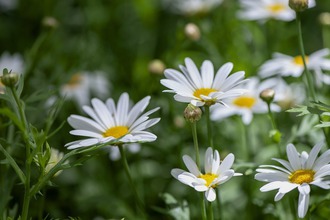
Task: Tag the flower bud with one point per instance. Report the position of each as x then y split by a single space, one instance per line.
192 113
275 136
156 67
9 79
325 18
298 5
267 95
49 22
55 157
192 32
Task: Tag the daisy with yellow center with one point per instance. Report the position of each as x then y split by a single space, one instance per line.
245 105
262 10
111 124
284 65
300 171
202 87
216 172
81 85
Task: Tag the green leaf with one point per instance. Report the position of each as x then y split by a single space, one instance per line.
303 110
7 112
323 125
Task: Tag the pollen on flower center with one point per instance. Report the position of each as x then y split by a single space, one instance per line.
299 61
203 91
245 101
116 132
208 177
275 8
302 176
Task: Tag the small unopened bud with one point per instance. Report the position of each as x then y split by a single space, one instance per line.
275 136
325 18
49 22
9 79
267 95
298 5
192 113
55 157
192 32
156 67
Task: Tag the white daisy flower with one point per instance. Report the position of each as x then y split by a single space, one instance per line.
191 7
216 172
245 105
112 125
263 10
285 65
301 171
82 85
203 88
6 5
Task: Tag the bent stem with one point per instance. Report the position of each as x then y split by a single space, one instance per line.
138 201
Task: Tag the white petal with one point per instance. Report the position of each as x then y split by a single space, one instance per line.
227 163
194 73
191 165
293 157
278 196
313 154
86 133
187 178
208 160
303 203
102 112
82 123
221 75
207 70
210 195
271 186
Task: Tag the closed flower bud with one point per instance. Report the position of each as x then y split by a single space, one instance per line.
192 113
50 22
267 95
9 79
192 32
298 5
156 67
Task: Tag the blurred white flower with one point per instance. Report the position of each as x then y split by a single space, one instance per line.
245 105
202 87
13 63
114 125
216 172
191 7
300 171
286 95
114 153
285 65
82 85
263 10
6 5
55 157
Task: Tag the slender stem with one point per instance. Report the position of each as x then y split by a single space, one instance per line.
203 208
218 204
209 127
210 211
308 75
310 83
139 202
26 201
270 113
194 134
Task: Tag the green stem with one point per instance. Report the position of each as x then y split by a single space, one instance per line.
26 201
308 75
309 78
271 116
209 127
139 202
14 165
218 204
210 211
203 208
194 134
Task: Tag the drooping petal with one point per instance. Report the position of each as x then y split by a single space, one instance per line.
210 194
191 165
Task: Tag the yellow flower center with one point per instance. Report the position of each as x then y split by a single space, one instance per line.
245 101
75 80
276 8
208 177
302 176
299 61
203 91
116 132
